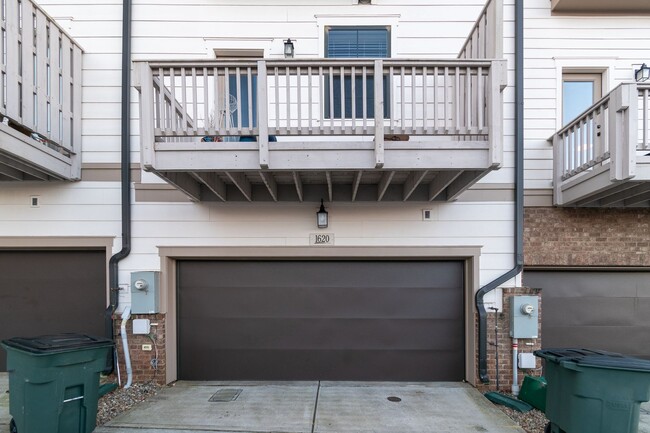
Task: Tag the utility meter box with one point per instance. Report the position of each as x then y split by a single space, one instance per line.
524 314
145 292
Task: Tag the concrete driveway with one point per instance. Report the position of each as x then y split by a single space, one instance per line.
324 407
311 407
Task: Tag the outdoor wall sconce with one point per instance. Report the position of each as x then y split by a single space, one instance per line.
322 219
288 49
642 74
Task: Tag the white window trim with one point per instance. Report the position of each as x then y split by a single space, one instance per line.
584 65
334 20
240 45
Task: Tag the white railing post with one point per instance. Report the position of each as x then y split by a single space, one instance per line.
497 81
379 113
558 169
623 134
12 76
262 114
147 138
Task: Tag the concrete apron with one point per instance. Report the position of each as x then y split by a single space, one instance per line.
325 407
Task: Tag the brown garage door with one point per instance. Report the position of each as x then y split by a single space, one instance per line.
48 292
597 310
327 320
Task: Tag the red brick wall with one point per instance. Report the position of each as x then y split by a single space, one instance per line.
141 361
505 344
586 237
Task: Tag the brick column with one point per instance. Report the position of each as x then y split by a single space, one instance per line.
505 343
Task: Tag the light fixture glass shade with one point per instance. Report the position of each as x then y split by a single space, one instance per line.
288 49
642 74
322 218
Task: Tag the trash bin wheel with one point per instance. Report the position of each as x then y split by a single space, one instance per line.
549 428
12 426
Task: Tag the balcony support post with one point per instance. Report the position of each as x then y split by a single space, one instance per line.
623 109
262 114
558 160
497 81
379 113
147 137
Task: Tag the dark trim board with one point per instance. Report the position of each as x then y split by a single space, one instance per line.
321 320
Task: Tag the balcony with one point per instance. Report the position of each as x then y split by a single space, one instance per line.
602 158
40 96
600 6
346 130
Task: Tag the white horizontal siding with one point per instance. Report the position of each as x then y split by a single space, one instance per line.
173 29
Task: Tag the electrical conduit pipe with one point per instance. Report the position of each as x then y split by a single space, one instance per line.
125 345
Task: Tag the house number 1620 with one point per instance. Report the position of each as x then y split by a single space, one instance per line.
321 239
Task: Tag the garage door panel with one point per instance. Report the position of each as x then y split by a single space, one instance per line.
590 311
327 365
329 334
329 320
611 338
567 284
49 292
314 273
308 302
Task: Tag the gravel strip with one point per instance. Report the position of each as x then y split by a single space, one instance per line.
121 400
533 421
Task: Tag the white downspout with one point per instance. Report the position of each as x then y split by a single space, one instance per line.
515 379
125 345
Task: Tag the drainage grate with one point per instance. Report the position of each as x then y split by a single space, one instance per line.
225 395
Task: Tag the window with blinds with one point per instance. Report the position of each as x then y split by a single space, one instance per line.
355 42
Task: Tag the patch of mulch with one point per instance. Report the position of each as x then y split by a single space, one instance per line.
121 400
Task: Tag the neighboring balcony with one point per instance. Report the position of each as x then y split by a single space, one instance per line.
342 130
40 96
600 6
602 158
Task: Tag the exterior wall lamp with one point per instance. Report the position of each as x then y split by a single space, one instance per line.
642 74
288 49
322 218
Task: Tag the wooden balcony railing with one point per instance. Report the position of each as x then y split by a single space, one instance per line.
40 78
184 101
613 133
485 41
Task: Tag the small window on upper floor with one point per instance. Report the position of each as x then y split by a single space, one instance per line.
579 92
355 42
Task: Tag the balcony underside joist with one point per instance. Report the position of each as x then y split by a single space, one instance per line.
336 155
25 159
341 186
596 189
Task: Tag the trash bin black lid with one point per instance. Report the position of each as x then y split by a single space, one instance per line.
620 362
571 354
57 343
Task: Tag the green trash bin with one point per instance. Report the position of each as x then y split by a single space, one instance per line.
54 381
593 391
